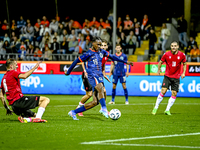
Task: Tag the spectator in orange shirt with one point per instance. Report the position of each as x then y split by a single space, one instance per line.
5 26
107 25
145 26
37 54
45 21
86 23
94 22
119 22
128 25
194 54
76 25
14 26
38 23
102 23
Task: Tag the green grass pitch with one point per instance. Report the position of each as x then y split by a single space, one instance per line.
136 129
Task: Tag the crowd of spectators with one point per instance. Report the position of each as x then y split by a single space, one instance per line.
35 40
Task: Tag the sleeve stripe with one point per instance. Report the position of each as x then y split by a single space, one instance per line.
108 55
80 59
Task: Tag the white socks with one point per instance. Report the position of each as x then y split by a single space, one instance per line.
28 119
159 99
170 102
80 104
40 112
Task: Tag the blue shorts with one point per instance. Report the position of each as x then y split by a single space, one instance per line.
116 77
94 80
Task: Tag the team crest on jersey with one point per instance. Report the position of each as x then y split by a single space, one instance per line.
101 55
169 57
122 58
100 78
178 57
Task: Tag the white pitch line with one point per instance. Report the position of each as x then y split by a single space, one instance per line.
151 145
140 138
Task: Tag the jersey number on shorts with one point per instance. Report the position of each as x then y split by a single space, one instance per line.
173 64
5 86
124 78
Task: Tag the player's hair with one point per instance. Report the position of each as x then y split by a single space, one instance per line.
9 62
104 41
118 45
96 38
174 42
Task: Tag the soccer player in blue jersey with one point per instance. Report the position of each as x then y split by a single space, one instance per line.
119 73
88 87
94 58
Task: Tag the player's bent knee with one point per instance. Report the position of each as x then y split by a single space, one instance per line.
47 100
163 91
174 93
114 86
89 94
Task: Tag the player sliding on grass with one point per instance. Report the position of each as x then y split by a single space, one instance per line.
87 85
94 57
21 105
119 73
173 60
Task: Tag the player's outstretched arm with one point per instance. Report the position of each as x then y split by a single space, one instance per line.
159 67
28 73
72 66
184 70
9 112
114 58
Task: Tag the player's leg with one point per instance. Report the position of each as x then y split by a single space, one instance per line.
25 103
101 111
85 107
84 100
101 98
123 82
43 102
104 91
174 89
165 86
170 102
115 80
27 116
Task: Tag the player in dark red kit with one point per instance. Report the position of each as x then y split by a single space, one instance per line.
173 59
21 105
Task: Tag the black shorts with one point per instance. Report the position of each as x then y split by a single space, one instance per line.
23 105
87 85
174 83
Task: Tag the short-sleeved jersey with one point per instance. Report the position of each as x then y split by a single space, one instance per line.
173 64
10 85
119 66
93 61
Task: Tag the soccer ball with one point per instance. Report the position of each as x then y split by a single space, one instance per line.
115 114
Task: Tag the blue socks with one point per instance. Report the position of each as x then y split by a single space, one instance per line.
113 94
103 103
80 109
126 94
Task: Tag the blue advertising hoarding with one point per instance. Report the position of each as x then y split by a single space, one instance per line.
136 85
